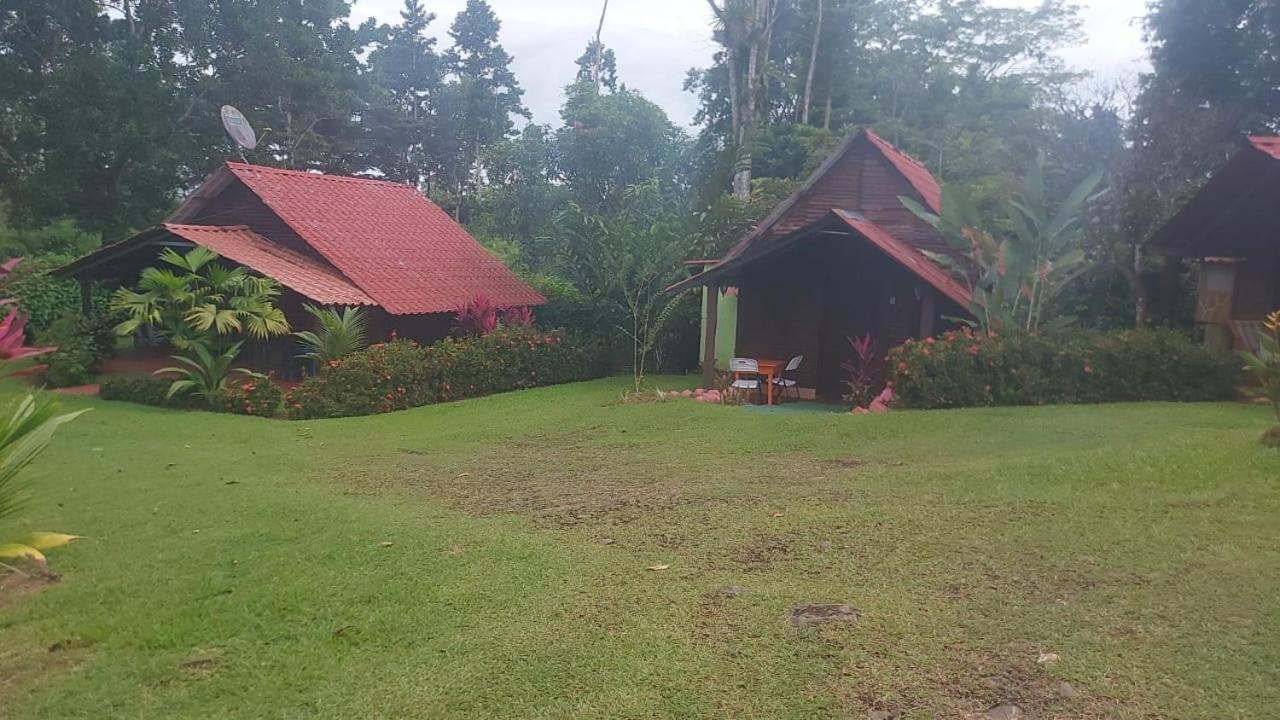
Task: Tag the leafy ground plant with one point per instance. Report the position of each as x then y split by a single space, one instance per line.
203 372
337 334
1264 367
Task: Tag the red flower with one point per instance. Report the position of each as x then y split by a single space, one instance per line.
929 341
1088 369
973 349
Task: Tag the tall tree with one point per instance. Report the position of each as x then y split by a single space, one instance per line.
744 28
408 73
484 93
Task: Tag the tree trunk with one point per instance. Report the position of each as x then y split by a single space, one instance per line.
826 116
813 65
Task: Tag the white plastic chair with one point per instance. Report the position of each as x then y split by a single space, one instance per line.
788 379
745 366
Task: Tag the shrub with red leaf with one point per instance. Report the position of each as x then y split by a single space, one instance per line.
860 371
13 338
476 318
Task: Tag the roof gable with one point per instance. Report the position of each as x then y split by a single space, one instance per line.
1234 213
866 175
389 240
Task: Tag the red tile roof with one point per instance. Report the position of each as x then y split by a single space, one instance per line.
397 246
310 278
913 170
908 257
1267 144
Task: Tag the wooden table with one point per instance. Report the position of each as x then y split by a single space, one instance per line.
770 369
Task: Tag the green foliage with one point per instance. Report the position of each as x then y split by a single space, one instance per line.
141 389
77 352
624 262
62 238
613 141
257 395
400 374
196 301
45 298
1022 258
25 432
971 369
1264 365
337 334
204 372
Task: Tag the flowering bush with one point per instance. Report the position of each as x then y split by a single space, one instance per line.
967 369
257 395
400 374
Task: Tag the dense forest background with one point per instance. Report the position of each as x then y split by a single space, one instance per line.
109 114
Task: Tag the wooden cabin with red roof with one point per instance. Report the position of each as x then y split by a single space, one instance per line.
842 257
328 240
1231 230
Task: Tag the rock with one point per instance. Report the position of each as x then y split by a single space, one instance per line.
699 392
687 393
881 715
1066 690
1008 711
607 541
803 616
731 591
860 411
824 546
1047 658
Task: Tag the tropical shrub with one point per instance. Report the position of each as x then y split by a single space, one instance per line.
400 374
1018 261
194 300
337 334
478 316
204 372
968 369
1264 365
860 372
25 432
141 389
81 342
45 298
258 395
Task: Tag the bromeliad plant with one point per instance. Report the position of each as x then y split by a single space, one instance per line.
204 372
337 334
1264 365
1016 263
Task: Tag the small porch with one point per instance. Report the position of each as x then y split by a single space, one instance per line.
807 293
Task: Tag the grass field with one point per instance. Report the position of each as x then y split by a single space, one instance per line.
488 559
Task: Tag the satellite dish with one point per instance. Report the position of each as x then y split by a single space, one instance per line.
238 127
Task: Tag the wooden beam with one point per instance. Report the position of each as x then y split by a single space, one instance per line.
709 337
86 296
928 309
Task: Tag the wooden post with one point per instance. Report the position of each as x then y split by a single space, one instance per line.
709 338
86 296
927 310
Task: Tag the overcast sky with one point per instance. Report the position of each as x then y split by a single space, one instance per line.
657 41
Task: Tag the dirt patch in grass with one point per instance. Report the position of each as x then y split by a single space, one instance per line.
578 479
27 663
16 587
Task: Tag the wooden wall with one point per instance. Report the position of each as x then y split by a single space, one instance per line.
810 299
237 205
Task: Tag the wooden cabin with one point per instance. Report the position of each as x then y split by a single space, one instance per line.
1231 230
328 240
842 257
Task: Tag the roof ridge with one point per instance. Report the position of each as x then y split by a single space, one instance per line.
249 167
214 228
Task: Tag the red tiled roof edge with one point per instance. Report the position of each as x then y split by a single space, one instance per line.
910 258
913 170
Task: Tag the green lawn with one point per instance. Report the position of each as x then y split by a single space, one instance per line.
238 568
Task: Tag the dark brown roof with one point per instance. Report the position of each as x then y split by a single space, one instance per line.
1235 214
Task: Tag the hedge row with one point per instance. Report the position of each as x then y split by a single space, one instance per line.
400 374
969 369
